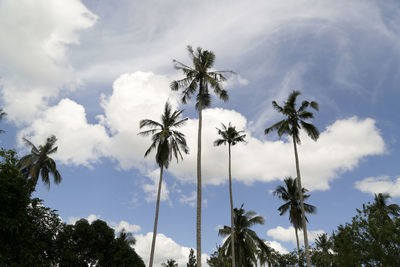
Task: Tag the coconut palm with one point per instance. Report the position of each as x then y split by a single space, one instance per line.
38 163
170 263
289 193
2 114
266 257
230 136
247 241
291 125
167 142
198 79
382 209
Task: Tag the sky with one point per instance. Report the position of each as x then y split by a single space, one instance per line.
88 71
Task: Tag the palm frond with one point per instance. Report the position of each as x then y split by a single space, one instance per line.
311 130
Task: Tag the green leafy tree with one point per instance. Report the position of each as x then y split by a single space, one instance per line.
321 255
247 241
229 135
38 163
167 142
382 209
27 227
368 240
198 79
219 259
170 263
290 194
192 259
291 125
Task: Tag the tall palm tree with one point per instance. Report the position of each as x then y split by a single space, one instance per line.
232 137
168 142
198 79
291 125
2 114
38 163
381 207
290 194
247 241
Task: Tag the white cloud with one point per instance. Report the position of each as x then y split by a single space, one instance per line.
166 248
151 188
288 235
33 52
91 218
277 246
141 95
380 184
79 143
124 225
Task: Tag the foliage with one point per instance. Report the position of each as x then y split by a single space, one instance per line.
229 135
34 235
170 263
192 259
370 239
166 139
2 114
219 259
38 163
247 241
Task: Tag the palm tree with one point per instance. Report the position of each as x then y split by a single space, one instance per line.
199 78
266 256
168 142
289 193
38 163
382 209
232 137
170 263
324 243
296 120
2 114
247 241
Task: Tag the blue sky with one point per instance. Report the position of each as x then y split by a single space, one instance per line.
88 71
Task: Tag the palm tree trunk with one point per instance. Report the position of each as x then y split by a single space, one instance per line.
231 200
153 242
198 219
303 217
298 244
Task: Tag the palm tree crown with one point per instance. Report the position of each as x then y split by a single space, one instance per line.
2 114
166 140
289 193
381 207
38 163
200 76
295 119
247 242
229 135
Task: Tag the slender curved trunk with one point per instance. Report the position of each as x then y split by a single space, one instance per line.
153 242
198 217
298 244
303 217
231 200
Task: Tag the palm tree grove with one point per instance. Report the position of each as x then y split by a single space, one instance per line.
273 141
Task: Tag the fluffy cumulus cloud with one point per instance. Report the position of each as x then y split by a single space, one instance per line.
79 142
380 184
288 235
118 227
151 187
33 50
166 248
141 95
277 246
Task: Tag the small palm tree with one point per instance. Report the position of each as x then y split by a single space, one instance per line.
168 142
2 114
247 241
289 193
199 78
323 242
38 163
170 263
296 120
382 209
232 137
266 256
